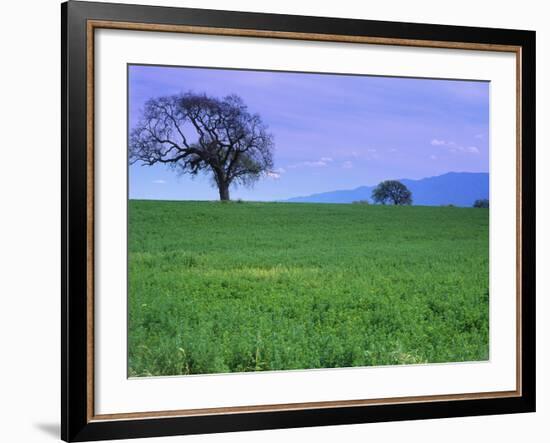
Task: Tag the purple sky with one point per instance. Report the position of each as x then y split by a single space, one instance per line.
331 131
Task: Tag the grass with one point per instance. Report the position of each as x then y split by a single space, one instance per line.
234 287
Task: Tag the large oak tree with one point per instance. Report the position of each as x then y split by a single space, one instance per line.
195 133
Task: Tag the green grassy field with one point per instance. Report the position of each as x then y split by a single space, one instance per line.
232 287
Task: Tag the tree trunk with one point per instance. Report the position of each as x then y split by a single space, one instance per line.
224 191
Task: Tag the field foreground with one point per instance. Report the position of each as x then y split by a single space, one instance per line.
236 287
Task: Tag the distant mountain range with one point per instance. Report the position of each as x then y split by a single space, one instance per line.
453 188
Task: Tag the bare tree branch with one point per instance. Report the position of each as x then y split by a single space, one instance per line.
197 133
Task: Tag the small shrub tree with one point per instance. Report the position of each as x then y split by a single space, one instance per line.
481 203
392 192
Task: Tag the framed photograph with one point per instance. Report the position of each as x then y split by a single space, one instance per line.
276 221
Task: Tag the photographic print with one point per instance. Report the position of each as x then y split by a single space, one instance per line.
299 220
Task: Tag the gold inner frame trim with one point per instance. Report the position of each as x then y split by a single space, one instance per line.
90 55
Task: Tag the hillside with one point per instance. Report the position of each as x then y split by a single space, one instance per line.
453 188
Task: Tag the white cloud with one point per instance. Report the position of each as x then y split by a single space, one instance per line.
322 162
393 150
315 164
159 182
347 165
480 136
276 173
453 147
371 150
433 157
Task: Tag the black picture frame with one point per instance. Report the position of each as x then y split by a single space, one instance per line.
76 424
